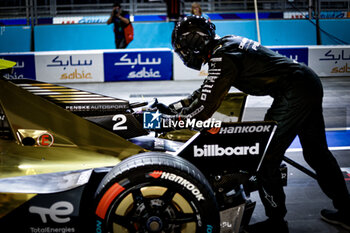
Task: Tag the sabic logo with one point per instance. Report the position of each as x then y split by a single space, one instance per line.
76 75
215 150
144 74
341 69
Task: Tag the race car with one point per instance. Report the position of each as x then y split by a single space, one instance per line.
76 161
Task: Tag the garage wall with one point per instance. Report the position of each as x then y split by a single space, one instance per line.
289 31
158 35
99 36
15 38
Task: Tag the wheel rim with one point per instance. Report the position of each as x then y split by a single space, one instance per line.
152 209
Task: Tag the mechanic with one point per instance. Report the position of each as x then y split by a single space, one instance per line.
297 108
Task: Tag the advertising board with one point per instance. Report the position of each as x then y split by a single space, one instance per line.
24 67
70 66
152 64
80 19
138 65
330 60
323 15
299 54
182 72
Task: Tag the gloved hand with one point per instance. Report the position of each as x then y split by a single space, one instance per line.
162 108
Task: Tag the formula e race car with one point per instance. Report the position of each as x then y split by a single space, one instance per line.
75 161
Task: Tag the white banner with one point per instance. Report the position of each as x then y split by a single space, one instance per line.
80 19
330 60
182 72
69 67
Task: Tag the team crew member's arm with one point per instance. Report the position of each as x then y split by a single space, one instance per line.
111 17
206 100
116 14
179 105
124 19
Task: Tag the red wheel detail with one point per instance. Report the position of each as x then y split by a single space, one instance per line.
107 199
156 174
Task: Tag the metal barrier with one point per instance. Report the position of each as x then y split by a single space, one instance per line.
52 8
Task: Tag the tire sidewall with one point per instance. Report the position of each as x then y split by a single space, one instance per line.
190 184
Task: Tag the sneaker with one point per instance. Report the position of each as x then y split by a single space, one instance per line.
268 226
336 217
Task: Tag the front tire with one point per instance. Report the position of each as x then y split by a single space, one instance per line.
156 192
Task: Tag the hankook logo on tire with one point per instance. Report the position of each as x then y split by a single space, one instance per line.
180 180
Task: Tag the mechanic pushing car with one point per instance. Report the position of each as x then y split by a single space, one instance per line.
297 108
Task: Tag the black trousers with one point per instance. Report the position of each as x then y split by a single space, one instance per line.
297 108
120 43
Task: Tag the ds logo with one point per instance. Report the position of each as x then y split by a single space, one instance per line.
58 212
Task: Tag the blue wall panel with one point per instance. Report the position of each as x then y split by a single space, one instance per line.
272 32
99 36
335 29
158 34
15 39
287 32
73 37
152 35
237 27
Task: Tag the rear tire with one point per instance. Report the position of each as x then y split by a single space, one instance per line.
155 192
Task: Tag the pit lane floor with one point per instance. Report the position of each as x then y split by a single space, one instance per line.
304 197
